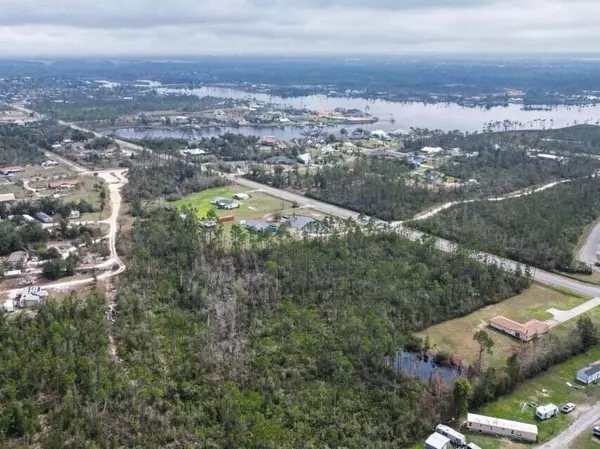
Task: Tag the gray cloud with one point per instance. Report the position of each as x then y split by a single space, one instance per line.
189 27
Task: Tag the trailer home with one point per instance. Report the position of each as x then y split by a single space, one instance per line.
437 441
546 411
455 437
502 427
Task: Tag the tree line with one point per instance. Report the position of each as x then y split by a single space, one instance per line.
542 229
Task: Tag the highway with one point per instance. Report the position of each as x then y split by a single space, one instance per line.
541 276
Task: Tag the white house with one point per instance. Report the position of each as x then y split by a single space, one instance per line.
589 374
431 150
502 427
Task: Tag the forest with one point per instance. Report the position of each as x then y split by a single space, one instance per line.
385 188
171 180
541 229
272 343
25 144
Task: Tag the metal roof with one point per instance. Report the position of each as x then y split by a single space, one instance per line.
299 221
437 441
502 423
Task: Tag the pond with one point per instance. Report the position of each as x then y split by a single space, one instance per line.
425 368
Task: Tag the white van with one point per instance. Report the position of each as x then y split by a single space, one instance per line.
457 438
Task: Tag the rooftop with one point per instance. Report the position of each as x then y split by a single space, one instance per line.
6 197
299 221
531 327
503 423
437 440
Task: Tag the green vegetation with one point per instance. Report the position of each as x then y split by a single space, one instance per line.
258 206
277 344
171 180
389 190
25 144
541 230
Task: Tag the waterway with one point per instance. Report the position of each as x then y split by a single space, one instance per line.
392 116
416 365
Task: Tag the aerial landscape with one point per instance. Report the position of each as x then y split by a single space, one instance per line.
274 225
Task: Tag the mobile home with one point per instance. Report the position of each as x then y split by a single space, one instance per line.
502 427
589 374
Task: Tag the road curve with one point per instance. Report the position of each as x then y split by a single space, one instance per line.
542 276
588 253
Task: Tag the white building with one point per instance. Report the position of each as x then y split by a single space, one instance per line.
241 196
431 150
455 437
546 411
437 441
502 427
589 374
9 306
304 158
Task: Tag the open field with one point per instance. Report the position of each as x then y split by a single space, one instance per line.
457 335
37 172
259 206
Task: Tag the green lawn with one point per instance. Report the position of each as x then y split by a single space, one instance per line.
550 387
456 336
259 206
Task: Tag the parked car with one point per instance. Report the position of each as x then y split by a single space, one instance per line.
568 407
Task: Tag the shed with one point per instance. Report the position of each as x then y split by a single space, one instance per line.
16 258
502 427
7 197
589 374
437 441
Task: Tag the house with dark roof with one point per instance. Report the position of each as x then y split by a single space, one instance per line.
299 222
589 374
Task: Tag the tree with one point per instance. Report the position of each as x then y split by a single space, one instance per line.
460 395
587 332
485 344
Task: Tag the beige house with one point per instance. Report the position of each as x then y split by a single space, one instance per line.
502 427
525 332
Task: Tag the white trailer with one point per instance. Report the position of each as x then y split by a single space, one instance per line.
546 411
455 437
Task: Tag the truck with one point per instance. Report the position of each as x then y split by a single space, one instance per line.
457 438
546 411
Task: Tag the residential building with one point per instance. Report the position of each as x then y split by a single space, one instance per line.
11 170
217 200
12 274
241 196
17 258
32 296
437 441
524 332
502 427
455 437
589 374
431 150
64 184
269 141
415 161
299 222
227 204
49 163
260 226
280 160
44 218
7 198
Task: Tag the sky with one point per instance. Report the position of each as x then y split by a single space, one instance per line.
296 27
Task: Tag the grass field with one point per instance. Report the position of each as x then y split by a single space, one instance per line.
258 206
456 336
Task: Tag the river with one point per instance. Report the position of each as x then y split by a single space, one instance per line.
393 116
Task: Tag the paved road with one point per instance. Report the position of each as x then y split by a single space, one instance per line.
588 253
585 421
445 245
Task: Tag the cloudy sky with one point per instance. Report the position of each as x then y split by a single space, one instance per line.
202 27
